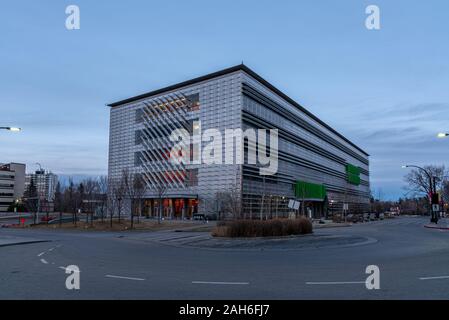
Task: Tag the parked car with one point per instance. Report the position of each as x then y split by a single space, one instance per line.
211 217
372 217
366 217
354 218
198 216
381 216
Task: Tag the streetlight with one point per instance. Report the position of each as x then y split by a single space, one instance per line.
15 129
431 180
442 135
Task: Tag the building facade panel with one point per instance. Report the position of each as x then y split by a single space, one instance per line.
322 160
219 108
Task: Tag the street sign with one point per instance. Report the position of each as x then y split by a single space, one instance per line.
293 204
345 206
435 207
296 205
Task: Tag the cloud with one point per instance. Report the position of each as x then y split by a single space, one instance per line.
397 134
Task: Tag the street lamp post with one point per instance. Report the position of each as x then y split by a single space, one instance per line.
431 186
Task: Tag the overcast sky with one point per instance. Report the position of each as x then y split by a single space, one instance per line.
386 90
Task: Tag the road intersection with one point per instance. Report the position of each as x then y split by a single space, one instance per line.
412 260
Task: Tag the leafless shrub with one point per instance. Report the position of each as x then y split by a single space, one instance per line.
268 228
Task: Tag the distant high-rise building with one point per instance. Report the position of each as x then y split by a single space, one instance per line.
12 184
45 183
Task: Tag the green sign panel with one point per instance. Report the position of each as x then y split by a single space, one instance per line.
353 174
307 190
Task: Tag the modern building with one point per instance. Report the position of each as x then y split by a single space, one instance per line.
12 184
317 166
45 183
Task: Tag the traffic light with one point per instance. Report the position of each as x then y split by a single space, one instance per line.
435 198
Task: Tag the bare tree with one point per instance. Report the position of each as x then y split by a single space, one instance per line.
59 205
141 188
159 186
103 195
235 203
79 198
90 196
231 201
111 202
32 200
128 178
135 189
161 189
418 182
71 200
118 194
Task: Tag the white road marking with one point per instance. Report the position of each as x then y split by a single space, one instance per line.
51 249
126 278
41 254
434 278
44 261
335 282
220 282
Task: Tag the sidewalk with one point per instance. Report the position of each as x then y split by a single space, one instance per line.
443 224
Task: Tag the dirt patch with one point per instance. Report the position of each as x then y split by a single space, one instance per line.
124 225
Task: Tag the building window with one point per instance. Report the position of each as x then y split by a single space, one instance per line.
139 115
138 159
194 101
192 177
193 126
138 137
6 195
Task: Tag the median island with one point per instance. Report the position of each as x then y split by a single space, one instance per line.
262 228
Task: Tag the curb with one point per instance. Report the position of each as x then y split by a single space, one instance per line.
438 228
21 243
326 226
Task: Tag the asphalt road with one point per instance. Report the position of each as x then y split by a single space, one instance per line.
413 262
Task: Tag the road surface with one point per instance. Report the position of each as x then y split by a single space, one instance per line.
413 262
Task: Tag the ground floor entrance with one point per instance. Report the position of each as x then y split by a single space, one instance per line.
314 209
172 208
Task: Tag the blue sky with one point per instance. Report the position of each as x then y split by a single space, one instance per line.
386 90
